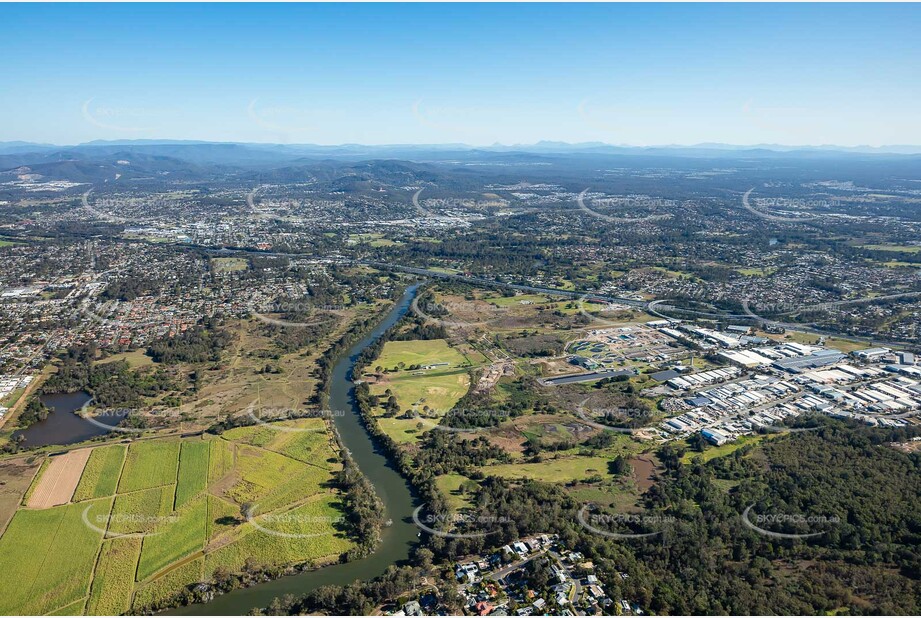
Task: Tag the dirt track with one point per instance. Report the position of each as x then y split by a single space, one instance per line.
58 482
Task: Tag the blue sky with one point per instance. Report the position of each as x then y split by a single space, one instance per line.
477 74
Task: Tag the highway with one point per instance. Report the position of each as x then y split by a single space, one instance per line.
650 307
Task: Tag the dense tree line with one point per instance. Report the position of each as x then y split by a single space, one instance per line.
198 345
110 384
705 561
34 412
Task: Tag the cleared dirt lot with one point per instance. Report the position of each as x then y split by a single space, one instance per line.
15 477
59 480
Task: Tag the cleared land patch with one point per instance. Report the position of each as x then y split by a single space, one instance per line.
559 470
17 475
59 480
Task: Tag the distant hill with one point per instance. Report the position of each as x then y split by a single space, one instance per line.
100 161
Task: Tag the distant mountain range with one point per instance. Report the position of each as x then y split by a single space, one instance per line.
233 150
151 160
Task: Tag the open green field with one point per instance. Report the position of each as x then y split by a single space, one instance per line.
157 515
229 264
402 430
521 299
136 359
373 239
757 272
437 390
845 345
409 353
451 486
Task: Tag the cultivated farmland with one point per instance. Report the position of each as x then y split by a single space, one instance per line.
113 581
150 463
47 557
148 519
100 476
193 470
58 481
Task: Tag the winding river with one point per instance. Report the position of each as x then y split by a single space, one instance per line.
399 501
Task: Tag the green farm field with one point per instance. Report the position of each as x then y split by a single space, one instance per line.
100 476
153 517
437 389
428 352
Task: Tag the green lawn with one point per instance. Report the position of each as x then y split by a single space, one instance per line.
136 359
439 390
450 486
